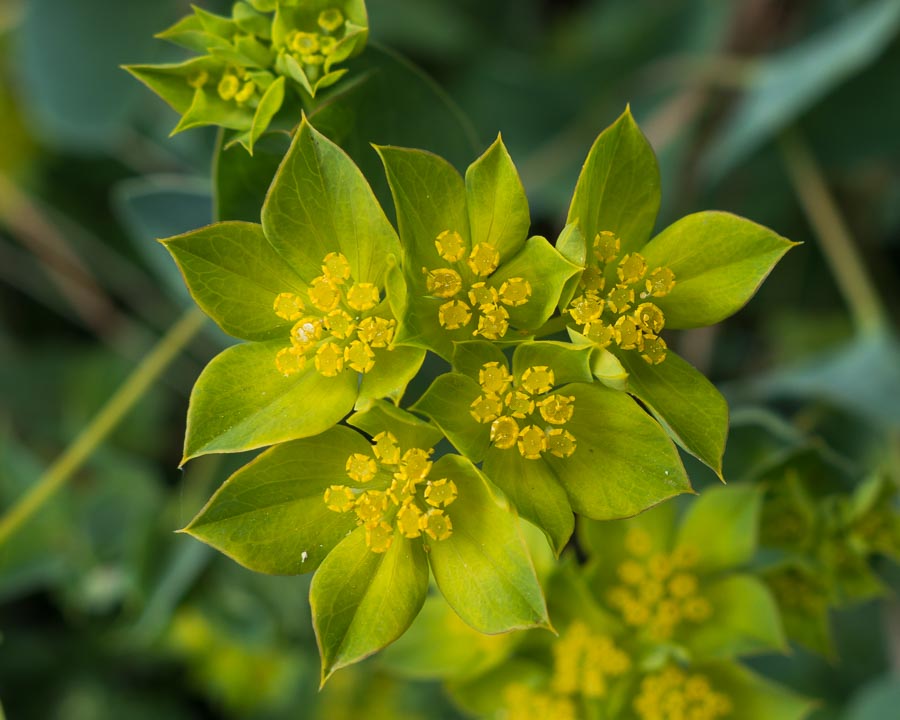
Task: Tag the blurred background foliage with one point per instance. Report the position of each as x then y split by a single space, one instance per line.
785 111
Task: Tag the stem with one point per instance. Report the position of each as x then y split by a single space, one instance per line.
835 239
134 387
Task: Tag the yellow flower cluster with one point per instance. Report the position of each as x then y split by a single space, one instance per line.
235 84
311 49
467 291
582 662
613 306
333 325
657 591
675 695
384 493
524 703
518 412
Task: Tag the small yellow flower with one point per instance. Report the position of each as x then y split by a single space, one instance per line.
331 20
483 259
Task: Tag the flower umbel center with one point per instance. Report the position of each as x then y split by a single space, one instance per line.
391 490
334 327
523 414
674 694
617 308
312 49
656 590
583 662
480 304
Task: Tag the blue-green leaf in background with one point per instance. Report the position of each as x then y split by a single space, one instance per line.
787 84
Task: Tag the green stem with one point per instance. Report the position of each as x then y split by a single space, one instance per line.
151 367
834 237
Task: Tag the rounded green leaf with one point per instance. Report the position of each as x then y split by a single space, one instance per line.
684 402
483 569
496 202
270 515
722 526
319 203
624 462
67 68
362 601
619 188
430 197
235 275
535 491
745 620
241 401
719 261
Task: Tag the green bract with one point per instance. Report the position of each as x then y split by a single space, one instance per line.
551 437
371 518
307 289
469 266
251 59
696 272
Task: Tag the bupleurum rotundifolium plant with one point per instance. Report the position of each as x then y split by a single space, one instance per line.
337 310
636 664
266 53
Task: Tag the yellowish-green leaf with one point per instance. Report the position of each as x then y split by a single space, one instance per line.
719 261
319 203
235 275
618 189
362 601
483 569
241 401
685 403
270 515
496 202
